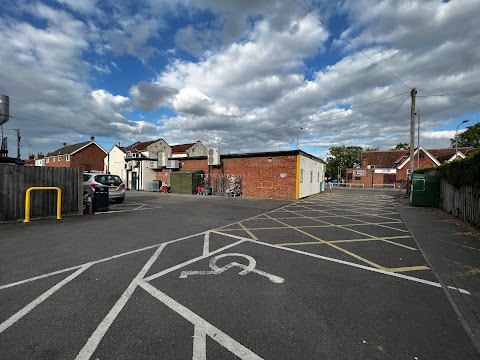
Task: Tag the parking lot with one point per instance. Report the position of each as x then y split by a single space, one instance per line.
163 276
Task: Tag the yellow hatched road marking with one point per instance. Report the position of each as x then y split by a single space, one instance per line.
248 231
336 247
409 268
351 240
363 222
253 217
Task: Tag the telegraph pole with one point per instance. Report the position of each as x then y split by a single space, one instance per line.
412 130
19 137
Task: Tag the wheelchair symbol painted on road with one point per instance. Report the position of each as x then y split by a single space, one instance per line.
245 268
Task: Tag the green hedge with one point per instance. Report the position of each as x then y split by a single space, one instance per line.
459 173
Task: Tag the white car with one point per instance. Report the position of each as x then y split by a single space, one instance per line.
116 187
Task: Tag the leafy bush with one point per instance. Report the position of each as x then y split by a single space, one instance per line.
459 173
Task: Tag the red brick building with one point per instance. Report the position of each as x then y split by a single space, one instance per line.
390 168
282 175
88 155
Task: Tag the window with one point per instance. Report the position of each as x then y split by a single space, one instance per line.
59 158
318 177
358 178
53 158
311 176
301 175
48 160
67 157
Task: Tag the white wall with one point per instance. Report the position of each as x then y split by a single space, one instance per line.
115 163
313 175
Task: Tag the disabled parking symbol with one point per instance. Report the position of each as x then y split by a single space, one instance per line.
245 268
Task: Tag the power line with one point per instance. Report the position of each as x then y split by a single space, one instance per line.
321 118
385 123
326 27
451 97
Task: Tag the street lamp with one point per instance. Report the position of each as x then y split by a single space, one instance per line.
298 127
456 137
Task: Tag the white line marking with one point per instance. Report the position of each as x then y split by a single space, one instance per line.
92 343
21 313
246 269
216 334
206 243
199 343
40 277
96 261
406 277
191 261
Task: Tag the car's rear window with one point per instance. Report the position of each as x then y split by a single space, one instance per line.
110 180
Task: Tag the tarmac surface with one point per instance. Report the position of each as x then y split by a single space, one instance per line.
347 274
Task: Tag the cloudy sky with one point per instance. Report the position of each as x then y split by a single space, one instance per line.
240 75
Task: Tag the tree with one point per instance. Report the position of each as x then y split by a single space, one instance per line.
372 149
343 157
401 146
470 137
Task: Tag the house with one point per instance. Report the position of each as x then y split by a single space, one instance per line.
30 161
391 168
188 150
137 163
88 155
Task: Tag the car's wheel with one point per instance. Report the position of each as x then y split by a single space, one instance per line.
119 200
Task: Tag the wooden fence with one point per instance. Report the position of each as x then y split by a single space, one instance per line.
463 203
16 179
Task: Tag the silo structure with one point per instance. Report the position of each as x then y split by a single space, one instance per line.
4 109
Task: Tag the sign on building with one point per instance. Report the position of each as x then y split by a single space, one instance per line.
385 171
360 172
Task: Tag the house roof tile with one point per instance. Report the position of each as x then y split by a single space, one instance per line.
392 158
69 149
176 149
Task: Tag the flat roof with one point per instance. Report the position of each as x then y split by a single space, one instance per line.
257 154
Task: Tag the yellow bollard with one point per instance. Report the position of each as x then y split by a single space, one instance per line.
27 201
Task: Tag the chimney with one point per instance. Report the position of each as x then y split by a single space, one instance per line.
64 144
40 156
31 156
92 138
364 163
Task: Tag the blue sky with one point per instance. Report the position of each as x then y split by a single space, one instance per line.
240 75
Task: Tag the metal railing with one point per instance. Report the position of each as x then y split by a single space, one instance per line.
153 186
384 186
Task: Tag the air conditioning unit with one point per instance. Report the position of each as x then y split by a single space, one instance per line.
152 165
371 167
213 156
132 155
162 159
173 164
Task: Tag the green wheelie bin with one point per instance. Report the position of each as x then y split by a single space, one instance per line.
100 198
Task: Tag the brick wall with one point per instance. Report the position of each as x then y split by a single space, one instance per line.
89 158
261 175
379 178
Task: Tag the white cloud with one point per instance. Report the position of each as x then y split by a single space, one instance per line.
191 101
259 69
150 96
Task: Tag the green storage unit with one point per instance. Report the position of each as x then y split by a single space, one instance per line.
100 198
425 190
185 182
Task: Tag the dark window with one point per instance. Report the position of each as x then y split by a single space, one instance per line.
358 178
349 176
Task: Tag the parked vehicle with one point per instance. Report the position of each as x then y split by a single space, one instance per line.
116 187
